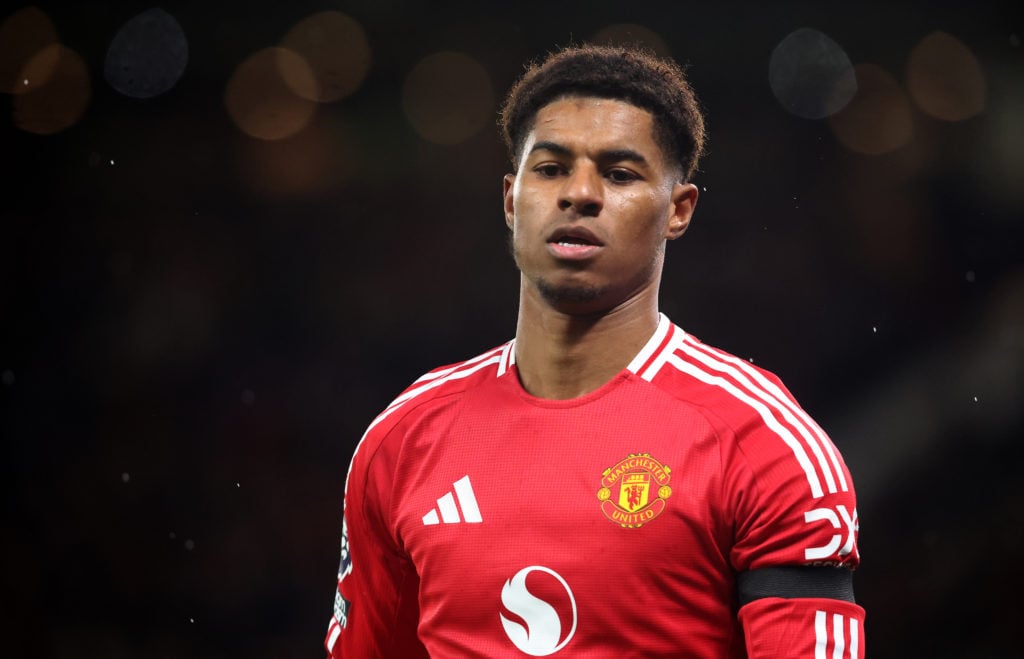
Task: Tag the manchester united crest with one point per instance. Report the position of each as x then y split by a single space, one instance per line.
633 492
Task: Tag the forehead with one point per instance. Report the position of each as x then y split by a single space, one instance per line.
595 124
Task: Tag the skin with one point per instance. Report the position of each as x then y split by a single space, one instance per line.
584 313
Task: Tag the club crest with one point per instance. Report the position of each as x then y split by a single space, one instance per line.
633 492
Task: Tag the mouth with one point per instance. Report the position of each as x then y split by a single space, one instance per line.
574 236
574 243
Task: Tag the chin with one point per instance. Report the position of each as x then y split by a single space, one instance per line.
556 294
575 300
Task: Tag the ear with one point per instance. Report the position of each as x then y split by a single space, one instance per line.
684 200
509 183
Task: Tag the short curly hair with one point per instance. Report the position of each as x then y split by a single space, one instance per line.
633 75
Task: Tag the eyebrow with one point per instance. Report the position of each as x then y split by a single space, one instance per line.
613 155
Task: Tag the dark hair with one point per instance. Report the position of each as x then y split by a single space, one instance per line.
629 74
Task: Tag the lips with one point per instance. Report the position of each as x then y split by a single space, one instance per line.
574 235
574 243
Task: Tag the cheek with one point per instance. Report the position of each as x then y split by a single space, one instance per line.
647 218
524 209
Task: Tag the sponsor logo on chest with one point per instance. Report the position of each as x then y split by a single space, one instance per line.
542 620
633 492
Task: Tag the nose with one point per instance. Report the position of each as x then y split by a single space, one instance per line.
582 192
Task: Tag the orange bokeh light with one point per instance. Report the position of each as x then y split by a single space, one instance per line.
878 119
337 51
260 97
23 35
945 79
448 97
60 102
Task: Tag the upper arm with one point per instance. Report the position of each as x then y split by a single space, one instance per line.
795 577
375 607
796 528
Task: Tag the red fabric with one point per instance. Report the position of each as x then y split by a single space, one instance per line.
609 525
810 628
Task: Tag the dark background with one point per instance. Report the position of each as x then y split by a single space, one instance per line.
197 325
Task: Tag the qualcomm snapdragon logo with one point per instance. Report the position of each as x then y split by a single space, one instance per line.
540 633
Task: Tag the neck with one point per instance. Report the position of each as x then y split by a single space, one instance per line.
561 355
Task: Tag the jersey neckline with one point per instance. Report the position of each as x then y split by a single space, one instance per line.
643 358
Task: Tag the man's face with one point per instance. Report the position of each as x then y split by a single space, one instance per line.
592 203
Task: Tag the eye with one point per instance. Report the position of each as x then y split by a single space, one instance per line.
619 175
548 170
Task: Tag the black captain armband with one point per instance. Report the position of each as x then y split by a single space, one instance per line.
795 581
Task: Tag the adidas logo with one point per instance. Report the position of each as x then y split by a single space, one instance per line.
449 512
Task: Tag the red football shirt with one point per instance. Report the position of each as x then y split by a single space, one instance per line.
482 521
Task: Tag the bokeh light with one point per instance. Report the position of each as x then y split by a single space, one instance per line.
336 49
811 75
945 79
631 34
448 97
23 34
147 56
59 103
259 96
38 70
878 119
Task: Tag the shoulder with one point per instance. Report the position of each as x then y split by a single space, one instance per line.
790 493
735 389
379 451
441 386
753 410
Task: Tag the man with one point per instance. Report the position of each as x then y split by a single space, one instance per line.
603 485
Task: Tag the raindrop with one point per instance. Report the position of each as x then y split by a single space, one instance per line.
125 477
190 544
8 377
811 74
147 56
875 330
969 276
